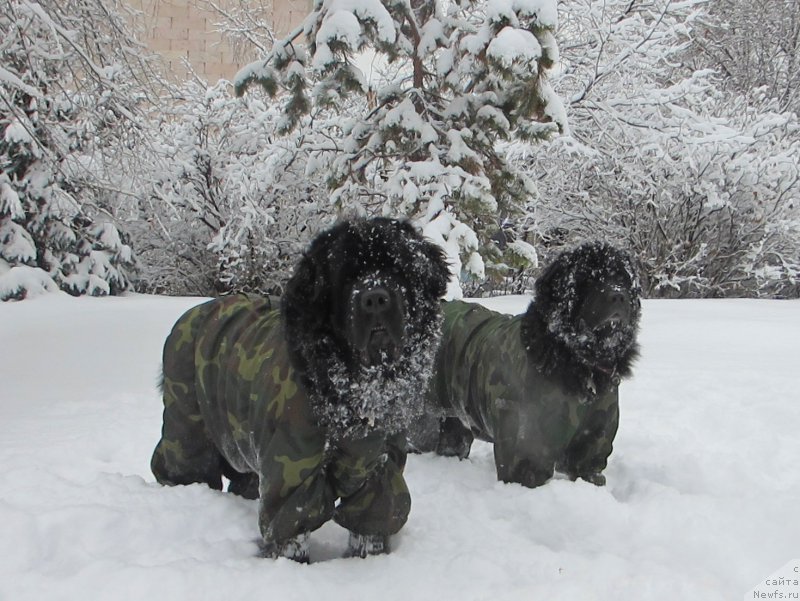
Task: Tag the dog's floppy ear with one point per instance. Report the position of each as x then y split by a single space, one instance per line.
552 279
303 283
632 273
436 272
430 270
304 303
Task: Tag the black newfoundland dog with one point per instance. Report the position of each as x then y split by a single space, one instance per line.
305 408
542 386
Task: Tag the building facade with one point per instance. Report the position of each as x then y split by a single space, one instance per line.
186 31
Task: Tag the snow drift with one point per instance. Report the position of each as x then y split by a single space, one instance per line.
701 502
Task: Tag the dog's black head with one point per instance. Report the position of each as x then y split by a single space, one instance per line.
583 322
362 306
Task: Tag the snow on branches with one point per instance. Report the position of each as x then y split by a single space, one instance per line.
426 137
229 207
703 186
67 114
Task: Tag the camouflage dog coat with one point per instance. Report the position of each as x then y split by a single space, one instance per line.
487 386
233 406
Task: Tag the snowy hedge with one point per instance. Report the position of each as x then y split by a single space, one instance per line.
682 144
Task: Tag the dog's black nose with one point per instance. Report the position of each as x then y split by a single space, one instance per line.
375 301
617 296
615 306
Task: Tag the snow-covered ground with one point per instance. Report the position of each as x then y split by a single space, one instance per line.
702 502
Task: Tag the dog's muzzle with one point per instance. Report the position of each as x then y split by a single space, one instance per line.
377 322
608 309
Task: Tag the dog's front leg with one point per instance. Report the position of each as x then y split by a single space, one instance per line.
375 502
586 455
521 454
294 498
513 468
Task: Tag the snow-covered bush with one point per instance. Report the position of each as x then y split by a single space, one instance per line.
230 206
423 138
753 45
702 186
68 114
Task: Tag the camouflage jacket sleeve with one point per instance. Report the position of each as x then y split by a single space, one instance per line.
367 474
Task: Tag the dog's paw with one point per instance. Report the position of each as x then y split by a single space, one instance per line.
295 549
244 485
455 439
595 478
362 545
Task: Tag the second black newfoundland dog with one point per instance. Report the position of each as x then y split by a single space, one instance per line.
306 407
542 386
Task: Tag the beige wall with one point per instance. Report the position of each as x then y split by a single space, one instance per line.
184 30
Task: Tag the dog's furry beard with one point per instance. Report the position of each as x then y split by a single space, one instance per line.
386 399
602 348
586 362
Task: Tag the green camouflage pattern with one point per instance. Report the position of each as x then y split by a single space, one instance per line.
483 377
234 406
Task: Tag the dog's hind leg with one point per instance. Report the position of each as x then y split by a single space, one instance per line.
455 439
244 485
185 454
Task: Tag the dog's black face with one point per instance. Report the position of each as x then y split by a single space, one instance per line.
605 306
362 310
583 322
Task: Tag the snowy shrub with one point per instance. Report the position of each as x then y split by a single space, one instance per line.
754 45
230 206
703 187
423 136
68 113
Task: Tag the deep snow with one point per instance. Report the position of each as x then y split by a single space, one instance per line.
702 502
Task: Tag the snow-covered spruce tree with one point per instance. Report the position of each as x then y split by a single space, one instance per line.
426 140
702 186
68 96
230 207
